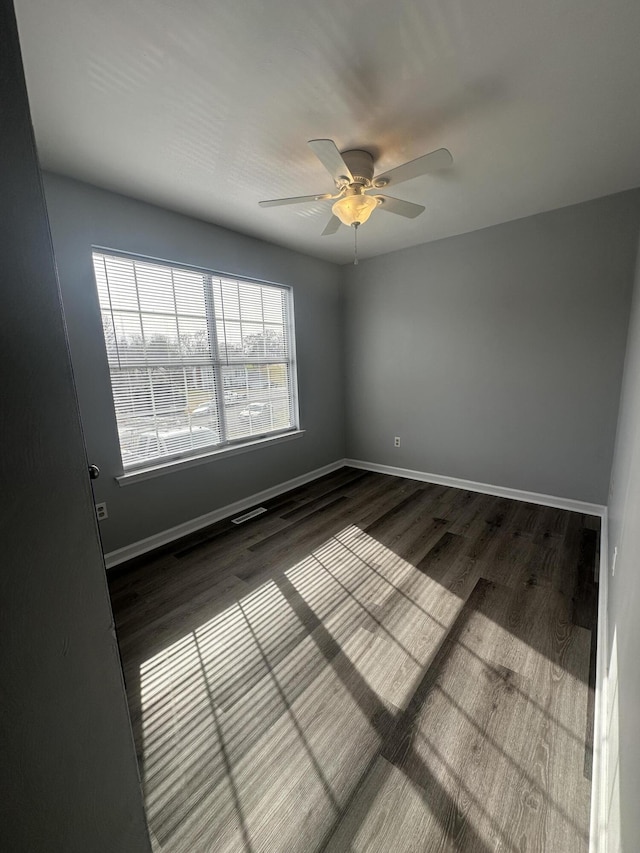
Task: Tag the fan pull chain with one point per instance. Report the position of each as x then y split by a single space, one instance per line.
355 244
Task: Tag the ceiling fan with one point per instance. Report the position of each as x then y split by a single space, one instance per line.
357 196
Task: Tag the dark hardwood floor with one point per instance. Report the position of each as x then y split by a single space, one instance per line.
375 664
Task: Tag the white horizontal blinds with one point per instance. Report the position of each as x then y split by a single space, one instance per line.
196 360
156 332
252 329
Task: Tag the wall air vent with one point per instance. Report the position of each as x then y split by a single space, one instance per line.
249 515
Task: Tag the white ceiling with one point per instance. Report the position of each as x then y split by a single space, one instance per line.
205 106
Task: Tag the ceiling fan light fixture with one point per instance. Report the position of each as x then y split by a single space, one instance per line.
354 209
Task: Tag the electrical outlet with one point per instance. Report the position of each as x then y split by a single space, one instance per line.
396 441
613 561
101 511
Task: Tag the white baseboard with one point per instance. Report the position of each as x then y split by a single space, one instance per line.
484 488
136 549
599 782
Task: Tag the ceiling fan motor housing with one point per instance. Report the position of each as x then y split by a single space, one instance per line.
360 165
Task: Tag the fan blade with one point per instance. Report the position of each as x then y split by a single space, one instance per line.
326 151
402 208
276 202
332 226
439 159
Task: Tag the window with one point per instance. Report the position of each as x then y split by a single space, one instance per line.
198 360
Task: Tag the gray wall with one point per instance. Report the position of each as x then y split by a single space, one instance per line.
497 356
68 775
624 603
82 216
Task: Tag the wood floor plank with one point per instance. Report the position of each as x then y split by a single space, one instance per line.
474 652
371 501
395 512
444 552
374 664
315 748
471 520
156 623
433 781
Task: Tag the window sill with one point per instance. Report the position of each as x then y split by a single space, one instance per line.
160 469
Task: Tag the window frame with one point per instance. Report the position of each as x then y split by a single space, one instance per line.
153 466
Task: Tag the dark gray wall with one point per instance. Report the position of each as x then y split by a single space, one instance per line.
497 356
82 216
68 776
624 603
